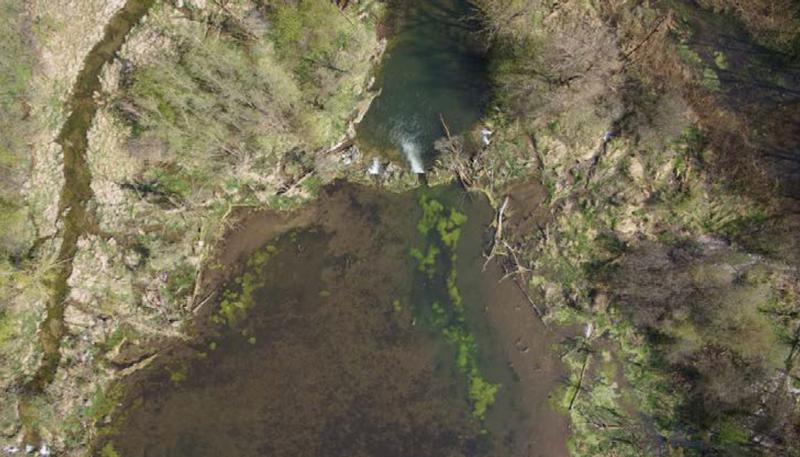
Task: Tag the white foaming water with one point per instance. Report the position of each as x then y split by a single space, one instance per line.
403 135
411 151
375 168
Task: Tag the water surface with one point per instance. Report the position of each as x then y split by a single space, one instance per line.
335 354
434 66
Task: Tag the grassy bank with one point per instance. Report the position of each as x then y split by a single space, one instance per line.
19 277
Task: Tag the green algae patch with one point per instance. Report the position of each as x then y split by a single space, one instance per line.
426 263
109 450
238 297
178 374
439 228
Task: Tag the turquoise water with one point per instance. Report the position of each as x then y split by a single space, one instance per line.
434 66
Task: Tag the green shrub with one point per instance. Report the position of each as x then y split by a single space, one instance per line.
252 104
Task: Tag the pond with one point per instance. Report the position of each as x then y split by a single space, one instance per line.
434 70
343 336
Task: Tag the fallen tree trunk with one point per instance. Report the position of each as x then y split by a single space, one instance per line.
498 234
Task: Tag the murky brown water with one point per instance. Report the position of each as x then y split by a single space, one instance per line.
331 359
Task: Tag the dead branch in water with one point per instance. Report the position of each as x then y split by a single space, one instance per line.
522 288
444 124
196 309
498 233
460 168
517 270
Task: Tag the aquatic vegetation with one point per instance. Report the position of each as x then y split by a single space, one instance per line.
721 60
426 263
481 392
450 319
453 293
238 297
448 229
431 214
109 450
178 374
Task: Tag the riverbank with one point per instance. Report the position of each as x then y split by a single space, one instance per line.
665 227
127 287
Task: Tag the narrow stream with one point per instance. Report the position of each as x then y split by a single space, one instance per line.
76 191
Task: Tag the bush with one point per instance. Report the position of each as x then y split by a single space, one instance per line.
554 68
225 110
774 23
